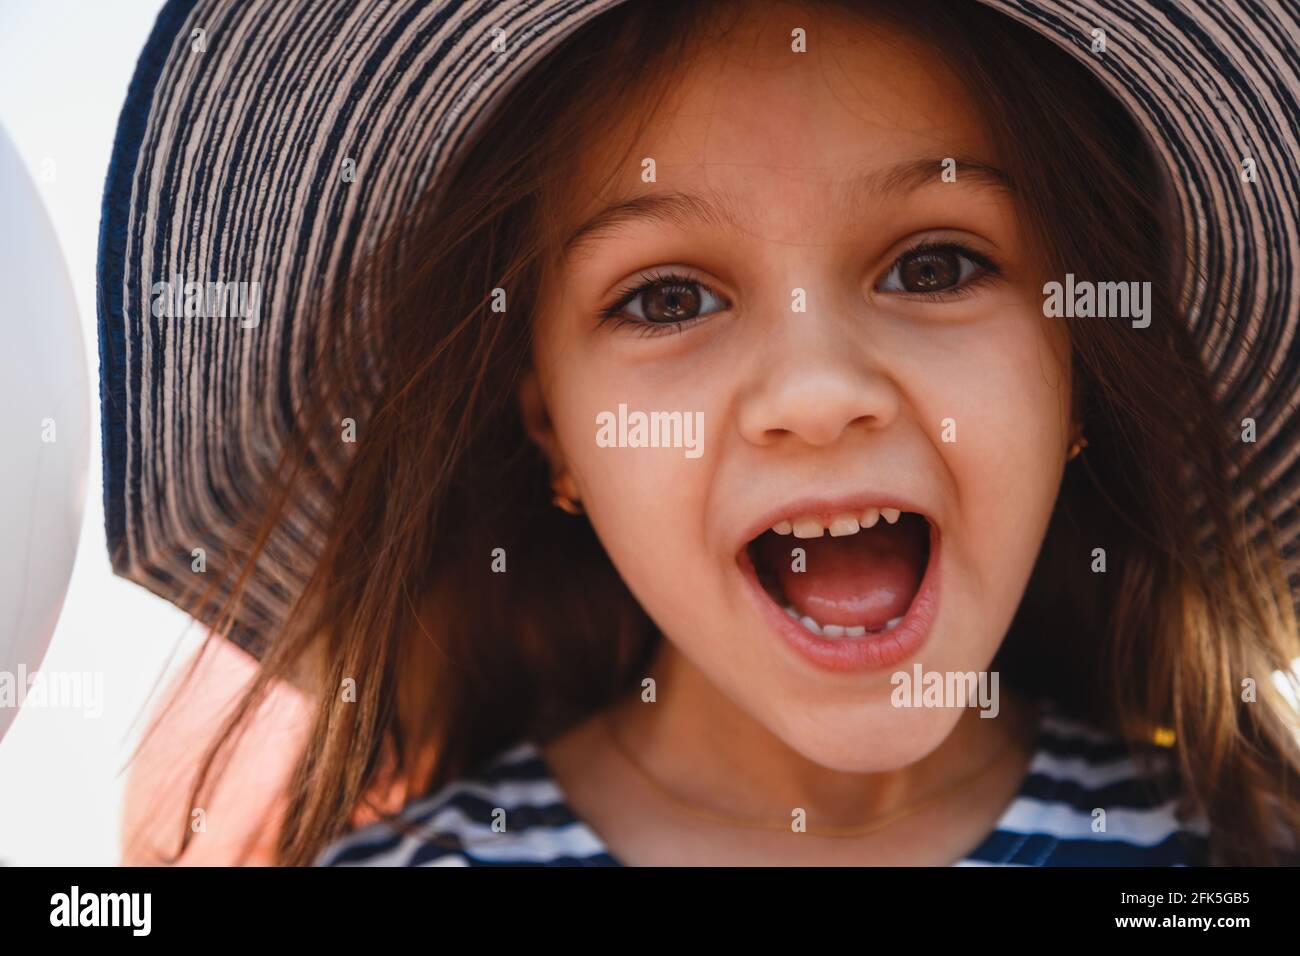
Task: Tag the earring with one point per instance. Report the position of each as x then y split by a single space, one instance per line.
1078 445
566 499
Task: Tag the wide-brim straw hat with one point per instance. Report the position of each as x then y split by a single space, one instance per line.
226 168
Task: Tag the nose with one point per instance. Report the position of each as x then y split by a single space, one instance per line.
816 377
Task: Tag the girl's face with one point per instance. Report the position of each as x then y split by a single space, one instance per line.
834 369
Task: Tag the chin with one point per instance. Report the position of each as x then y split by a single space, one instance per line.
863 738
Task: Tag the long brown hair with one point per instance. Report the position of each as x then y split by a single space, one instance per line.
447 661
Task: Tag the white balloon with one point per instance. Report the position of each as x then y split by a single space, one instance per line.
44 430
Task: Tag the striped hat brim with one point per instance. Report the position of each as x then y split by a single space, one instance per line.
226 168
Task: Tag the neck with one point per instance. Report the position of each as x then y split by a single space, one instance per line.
708 752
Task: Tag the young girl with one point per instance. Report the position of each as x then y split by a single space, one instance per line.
728 491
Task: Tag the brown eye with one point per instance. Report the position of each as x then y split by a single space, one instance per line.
930 271
677 302
935 270
666 301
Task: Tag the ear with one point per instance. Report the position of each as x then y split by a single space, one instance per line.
537 420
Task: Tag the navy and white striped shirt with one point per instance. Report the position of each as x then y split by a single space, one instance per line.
1074 770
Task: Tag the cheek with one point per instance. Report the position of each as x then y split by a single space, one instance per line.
1008 391
647 505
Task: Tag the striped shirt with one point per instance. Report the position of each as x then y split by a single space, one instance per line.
1075 770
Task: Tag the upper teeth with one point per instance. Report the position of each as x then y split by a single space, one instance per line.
846 522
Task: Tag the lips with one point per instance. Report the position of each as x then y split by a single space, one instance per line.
847 587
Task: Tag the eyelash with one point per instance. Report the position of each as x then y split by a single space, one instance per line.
649 280
613 313
988 269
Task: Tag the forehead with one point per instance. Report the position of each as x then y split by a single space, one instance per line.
775 137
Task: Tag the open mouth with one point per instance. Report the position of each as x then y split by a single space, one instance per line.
857 577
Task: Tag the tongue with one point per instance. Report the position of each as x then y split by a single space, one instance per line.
867 578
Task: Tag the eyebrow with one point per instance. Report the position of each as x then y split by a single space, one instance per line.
721 209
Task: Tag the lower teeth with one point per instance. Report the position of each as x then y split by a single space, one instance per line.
835 631
829 631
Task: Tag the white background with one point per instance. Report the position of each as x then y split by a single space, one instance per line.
64 70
